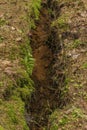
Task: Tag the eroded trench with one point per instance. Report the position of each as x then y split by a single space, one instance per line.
48 74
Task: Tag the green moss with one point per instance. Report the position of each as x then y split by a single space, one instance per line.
60 120
12 114
13 117
34 13
54 127
36 5
25 92
1 83
2 21
77 113
23 80
18 86
1 39
61 22
63 121
26 56
78 43
84 66
1 128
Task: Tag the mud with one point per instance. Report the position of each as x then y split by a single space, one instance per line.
45 98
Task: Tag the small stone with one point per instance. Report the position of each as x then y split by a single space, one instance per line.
1 16
75 56
85 127
69 21
84 14
19 39
83 50
13 28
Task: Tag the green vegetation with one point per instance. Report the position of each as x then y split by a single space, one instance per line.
72 116
1 128
61 22
17 63
1 39
34 13
78 43
36 5
12 114
84 66
63 121
17 82
75 114
2 21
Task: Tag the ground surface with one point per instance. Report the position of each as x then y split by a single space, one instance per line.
14 26
40 102
72 26
72 33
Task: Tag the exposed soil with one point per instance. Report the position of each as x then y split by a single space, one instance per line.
49 64
42 101
13 41
40 106
48 75
45 98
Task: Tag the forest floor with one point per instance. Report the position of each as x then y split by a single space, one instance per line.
12 23
42 100
73 33
13 32
14 27
72 24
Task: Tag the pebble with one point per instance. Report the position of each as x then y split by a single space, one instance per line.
13 28
75 56
19 39
1 16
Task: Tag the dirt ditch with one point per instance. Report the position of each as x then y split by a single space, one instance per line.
47 74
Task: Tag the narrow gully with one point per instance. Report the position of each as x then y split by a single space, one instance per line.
46 50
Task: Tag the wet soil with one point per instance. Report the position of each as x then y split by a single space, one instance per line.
41 103
47 75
